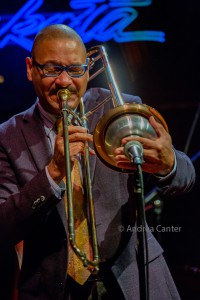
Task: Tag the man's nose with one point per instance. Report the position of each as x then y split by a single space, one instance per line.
63 79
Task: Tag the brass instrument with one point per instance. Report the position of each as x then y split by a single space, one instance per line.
64 95
123 120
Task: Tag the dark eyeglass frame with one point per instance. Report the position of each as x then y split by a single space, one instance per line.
66 69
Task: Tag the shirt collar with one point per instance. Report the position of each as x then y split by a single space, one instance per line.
48 119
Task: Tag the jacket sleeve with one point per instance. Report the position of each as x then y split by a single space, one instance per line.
182 180
26 196
21 209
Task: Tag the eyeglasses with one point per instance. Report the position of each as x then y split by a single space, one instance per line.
74 71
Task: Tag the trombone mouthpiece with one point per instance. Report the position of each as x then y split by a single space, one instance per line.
63 94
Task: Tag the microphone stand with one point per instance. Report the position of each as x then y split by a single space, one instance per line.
135 154
141 235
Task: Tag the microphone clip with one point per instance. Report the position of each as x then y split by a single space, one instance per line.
134 151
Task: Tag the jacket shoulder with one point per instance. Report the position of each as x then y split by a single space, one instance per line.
14 122
101 93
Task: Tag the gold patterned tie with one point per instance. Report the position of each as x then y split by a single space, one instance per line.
76 268
19 252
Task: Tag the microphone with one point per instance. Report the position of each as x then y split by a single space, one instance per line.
134 151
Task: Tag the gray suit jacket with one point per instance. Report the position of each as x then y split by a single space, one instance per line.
31 212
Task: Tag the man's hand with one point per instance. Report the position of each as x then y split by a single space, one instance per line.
77 138
158 154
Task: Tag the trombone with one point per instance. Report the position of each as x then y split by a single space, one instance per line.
128 118
125 119
64 95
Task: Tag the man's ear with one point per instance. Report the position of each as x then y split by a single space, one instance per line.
29 66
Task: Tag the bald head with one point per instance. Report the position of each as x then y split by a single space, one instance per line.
53 32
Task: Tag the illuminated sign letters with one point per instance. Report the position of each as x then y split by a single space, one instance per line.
94 20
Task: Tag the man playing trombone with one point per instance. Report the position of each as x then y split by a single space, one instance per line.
33 186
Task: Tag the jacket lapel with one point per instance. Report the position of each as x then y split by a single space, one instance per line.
36 140
38 145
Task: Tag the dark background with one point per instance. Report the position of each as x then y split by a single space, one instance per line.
166 76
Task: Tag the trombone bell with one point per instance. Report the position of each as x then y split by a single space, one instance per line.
123 121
